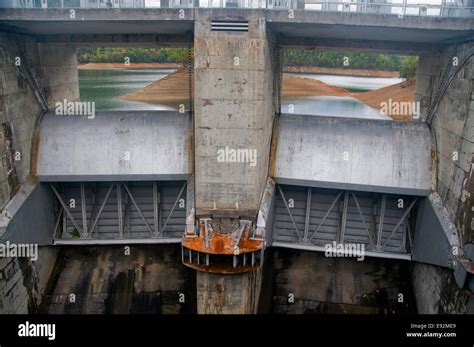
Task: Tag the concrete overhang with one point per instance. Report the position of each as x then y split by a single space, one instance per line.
372 31
356 154
119 40
363 28
114 146
99 21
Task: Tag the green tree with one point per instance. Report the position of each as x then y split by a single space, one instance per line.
136 55
301 57
408 67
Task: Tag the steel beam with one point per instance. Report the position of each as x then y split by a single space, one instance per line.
325 216
57 222
119 210
317 248
308 214
400 221
380 229
69 214
240 232
344 217
164 240
371 241
289 212
94 209
101 208
409 238
138 209
83 210
172 210
156 211
126 215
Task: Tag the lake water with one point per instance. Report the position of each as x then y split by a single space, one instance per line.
105 85
332 106
352 83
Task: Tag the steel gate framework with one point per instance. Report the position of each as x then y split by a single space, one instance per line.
309 218
304 217
118 212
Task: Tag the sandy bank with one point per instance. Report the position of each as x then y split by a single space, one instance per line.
342 71
293 86
172 88
175 87
400 92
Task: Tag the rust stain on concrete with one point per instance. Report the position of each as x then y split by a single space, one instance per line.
222 243
34 154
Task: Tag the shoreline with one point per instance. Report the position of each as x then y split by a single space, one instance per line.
132 66
341 71
289 69
175 88
402 92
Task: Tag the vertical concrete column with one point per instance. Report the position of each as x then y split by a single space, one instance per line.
427 79
234 111
58 72
228 294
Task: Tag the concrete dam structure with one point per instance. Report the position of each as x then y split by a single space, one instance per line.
228 204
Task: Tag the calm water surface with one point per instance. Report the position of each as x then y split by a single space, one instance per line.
105 85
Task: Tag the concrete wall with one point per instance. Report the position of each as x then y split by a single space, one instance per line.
228 294
436 292
453 126
58 72
18 111
309 282
234 107
22 282
453 136
150 279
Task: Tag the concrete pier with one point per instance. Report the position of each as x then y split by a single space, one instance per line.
228 294
233 108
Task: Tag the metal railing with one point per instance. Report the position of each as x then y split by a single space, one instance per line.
435 8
